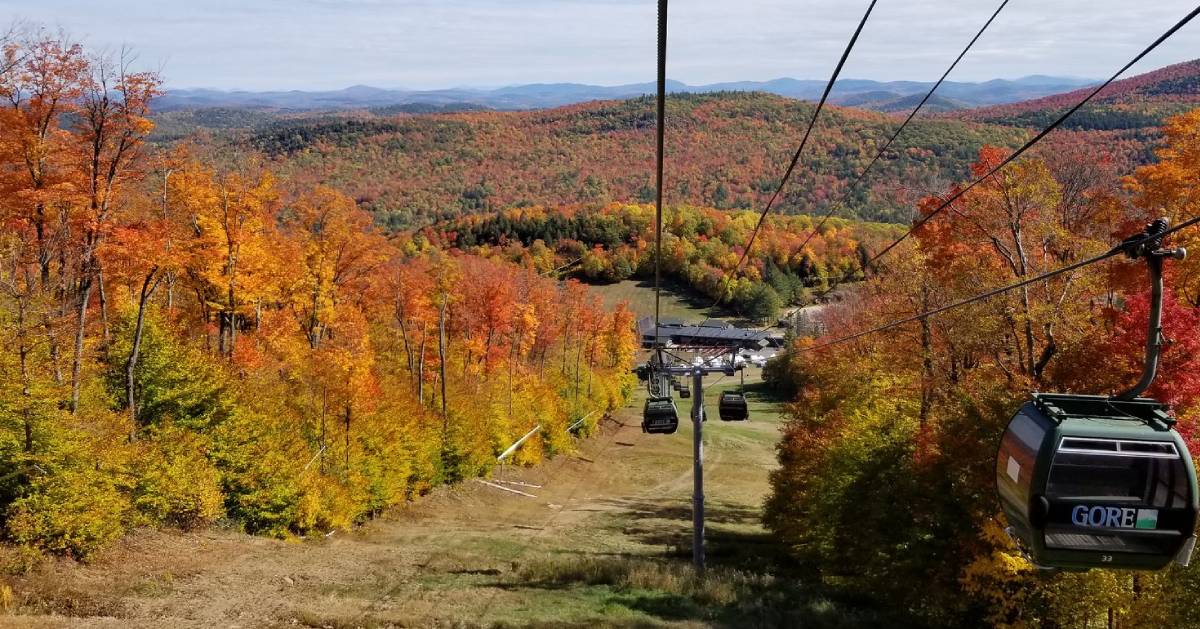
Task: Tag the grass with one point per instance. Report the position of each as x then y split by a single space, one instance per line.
677 301
717 588
721 597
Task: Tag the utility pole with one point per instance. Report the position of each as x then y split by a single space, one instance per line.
698 470
663 377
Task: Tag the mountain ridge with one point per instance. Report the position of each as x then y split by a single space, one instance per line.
548 95
1157 93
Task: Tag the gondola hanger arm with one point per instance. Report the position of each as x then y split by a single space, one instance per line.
1149 245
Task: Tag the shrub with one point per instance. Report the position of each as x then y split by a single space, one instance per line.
176 483
259 469
75 512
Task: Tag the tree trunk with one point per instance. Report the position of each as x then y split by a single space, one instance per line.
1031 367
926 359
408 352
314 317
1047 353
148 287
23 353
347 421
324 409
442 366
170 277
44 255
103 302
232 321
421 364
55 357
85 295
205 317
512 363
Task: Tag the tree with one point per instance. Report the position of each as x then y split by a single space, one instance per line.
764 304
1169 188
42 81
114 109
139 253
235 254
340 251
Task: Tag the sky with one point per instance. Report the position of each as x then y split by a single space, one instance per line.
430 44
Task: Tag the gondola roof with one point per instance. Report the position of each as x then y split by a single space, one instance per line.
1087 414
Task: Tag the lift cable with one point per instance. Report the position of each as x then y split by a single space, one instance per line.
1035 139
1004 289
878 155
660 133
804 141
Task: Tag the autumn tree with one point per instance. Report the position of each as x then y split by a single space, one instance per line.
139 255
233 256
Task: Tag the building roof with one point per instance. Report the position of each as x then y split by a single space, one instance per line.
704 335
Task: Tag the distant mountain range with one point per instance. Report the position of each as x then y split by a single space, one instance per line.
877 95
1139 101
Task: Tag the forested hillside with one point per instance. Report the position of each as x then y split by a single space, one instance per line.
789 265
1123 120
1145 100
183 339
725 151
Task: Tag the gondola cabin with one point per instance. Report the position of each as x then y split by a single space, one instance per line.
685 391
732 407
660 417
1094 482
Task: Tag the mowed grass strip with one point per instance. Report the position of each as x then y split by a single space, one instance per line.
676 301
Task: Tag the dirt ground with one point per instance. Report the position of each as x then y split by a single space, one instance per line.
452 559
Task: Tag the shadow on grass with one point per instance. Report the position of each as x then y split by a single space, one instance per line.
751 580
582 624
763 393
694 299
669 590
728 543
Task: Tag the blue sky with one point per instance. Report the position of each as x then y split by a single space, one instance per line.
328 44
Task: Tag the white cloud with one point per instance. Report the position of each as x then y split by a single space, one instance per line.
308 44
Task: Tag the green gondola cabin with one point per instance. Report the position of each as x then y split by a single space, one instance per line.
732 407
659 416
1096 482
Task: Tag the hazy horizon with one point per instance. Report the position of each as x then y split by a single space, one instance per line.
321 45
609 85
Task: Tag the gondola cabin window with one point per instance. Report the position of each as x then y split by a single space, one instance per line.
1146 473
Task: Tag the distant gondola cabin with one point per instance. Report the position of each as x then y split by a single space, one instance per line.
732 407
660 416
